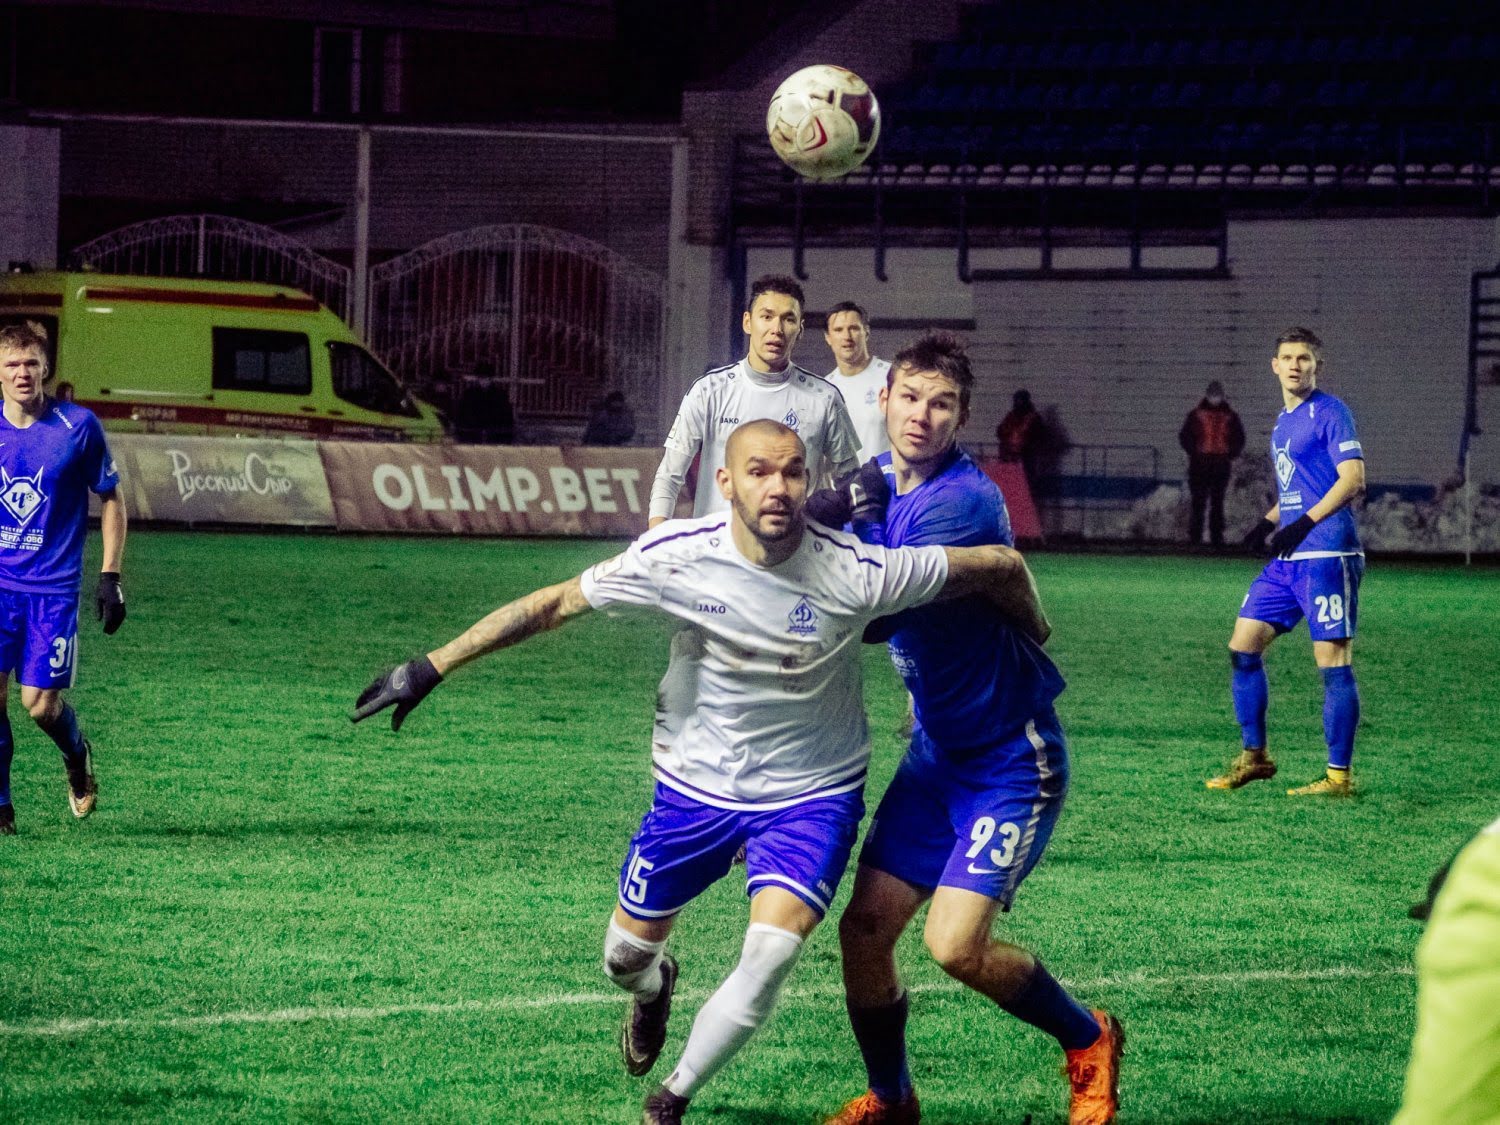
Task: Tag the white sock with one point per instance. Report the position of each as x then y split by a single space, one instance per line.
741 1004
632 962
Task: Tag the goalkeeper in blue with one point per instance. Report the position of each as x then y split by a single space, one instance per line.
978 792
1314 572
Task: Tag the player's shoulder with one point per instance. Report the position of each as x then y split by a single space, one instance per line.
677 540
961 506
72 415
835 548
715 378
809 382
1331 404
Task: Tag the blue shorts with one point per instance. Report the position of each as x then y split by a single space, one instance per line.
39 638
683 846
980 822
1325 591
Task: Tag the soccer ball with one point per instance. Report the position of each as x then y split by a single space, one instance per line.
823 122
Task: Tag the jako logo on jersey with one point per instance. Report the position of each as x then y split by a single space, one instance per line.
729 421
712 607
22 496
790 421
1284 465
803 620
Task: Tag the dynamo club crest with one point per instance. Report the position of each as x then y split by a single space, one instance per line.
1285 466
803 620
21 496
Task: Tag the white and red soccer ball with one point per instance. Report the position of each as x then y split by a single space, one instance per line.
823 122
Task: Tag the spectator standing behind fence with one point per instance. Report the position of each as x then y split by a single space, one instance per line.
1022 435
1212 436
611 423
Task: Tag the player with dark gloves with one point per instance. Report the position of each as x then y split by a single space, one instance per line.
1290 537
1255 538
109 602
860 498
406 685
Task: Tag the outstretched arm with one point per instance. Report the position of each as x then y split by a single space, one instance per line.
408 684
511 624
1001 575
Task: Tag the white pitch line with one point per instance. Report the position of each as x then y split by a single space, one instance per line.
1137 979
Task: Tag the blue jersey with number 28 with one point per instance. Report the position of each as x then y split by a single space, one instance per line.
1307 446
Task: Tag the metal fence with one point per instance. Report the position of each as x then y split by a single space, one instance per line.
217 246
557 318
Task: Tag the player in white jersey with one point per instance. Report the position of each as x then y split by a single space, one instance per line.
765 384
859 376
772 757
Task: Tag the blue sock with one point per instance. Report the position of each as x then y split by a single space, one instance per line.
881 1034
1247 684
1044 1003
7 751
1340 714
64 731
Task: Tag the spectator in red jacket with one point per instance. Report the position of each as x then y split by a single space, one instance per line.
1022 435
1212 436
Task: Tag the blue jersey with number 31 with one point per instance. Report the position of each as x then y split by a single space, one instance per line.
47 471
1307 446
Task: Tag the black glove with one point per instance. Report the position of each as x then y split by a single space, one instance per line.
1255 540
1285 541
869 493
829 507
406 685
109 601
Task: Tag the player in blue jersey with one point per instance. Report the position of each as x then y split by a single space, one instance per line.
978 792
1315 570
52 455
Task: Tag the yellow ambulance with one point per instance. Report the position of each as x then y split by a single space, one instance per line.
179 355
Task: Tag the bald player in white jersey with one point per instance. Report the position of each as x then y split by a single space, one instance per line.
858 376
772 756
765 384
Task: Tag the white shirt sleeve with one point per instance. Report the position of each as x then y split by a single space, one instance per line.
841 448
907 576
625 580
684 442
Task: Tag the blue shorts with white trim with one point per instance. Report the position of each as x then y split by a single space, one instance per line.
684 846
1325 590
980 822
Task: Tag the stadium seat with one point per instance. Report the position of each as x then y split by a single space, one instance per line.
1101 56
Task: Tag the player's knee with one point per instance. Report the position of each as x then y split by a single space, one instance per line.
628 960
769 955
961 956
44 709
862 928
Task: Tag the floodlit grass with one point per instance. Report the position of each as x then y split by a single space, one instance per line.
276 915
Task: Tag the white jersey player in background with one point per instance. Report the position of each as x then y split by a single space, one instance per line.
772 755
859 376
765 384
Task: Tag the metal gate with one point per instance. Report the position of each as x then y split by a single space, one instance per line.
557 318
219 247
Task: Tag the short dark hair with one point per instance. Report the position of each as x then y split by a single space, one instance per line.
776 283
849 306
1299 335
20 337
938 351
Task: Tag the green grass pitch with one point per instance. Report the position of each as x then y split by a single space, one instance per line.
277 916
